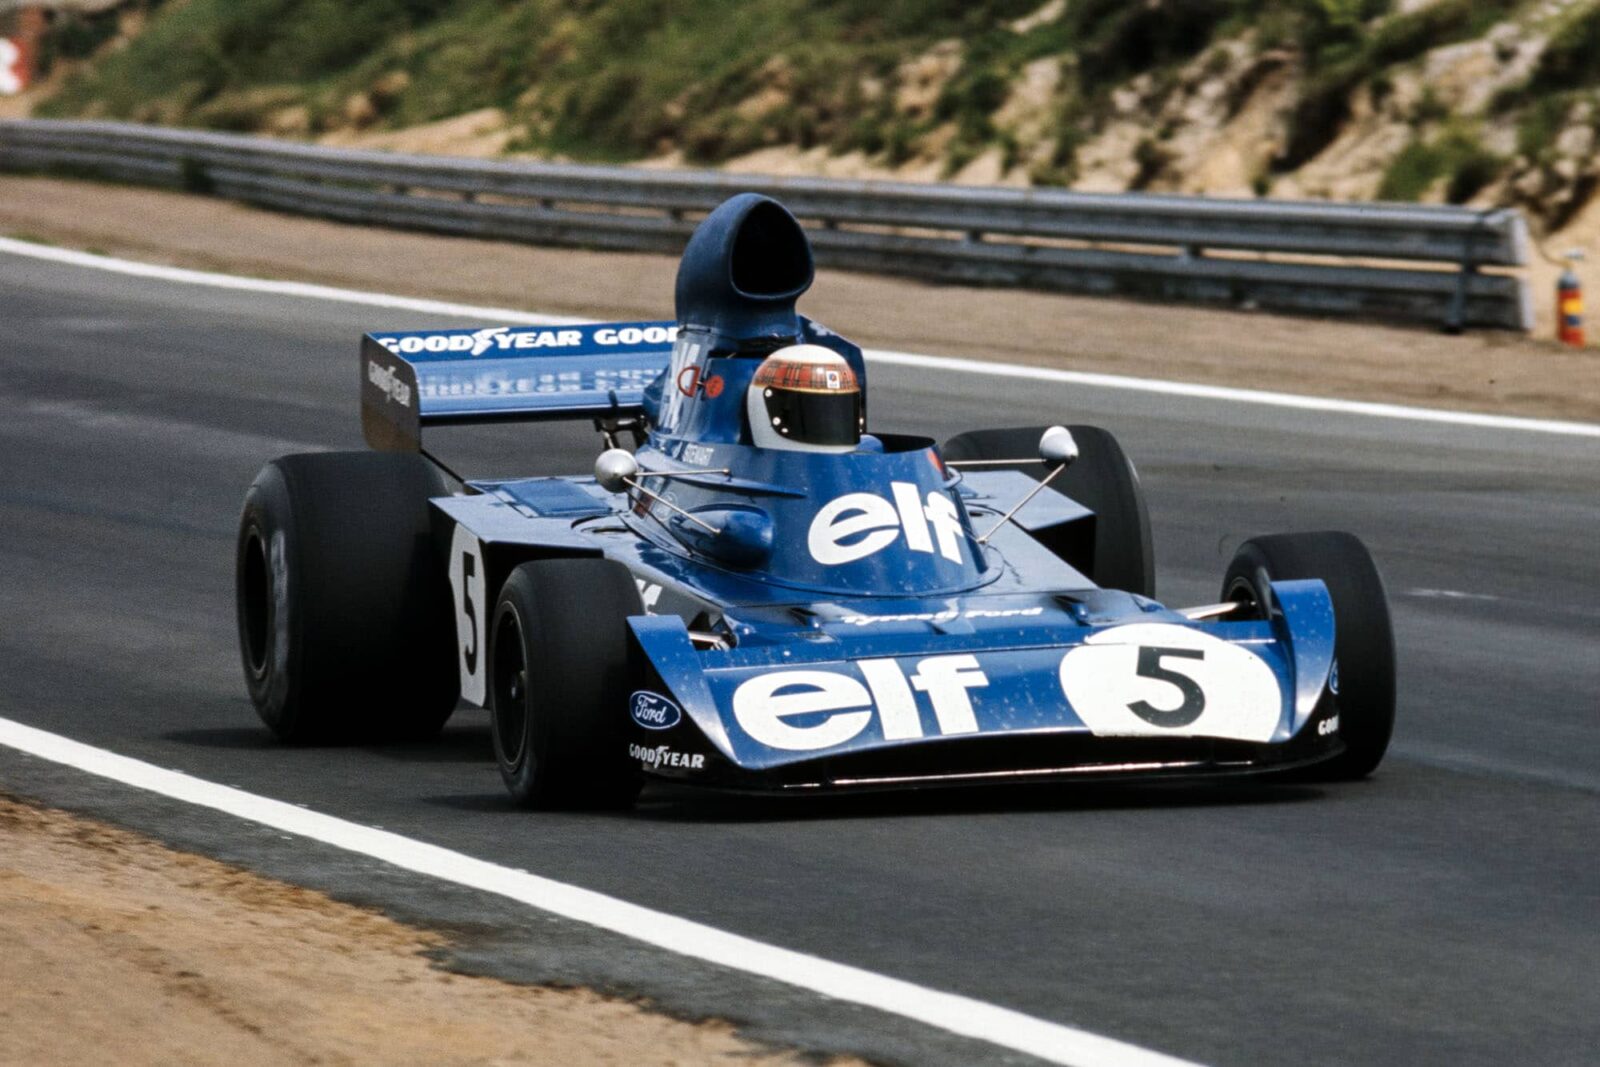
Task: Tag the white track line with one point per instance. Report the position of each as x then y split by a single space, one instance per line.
303 290
945 1011
1239 396
181 276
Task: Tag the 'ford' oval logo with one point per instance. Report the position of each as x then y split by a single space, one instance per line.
654 711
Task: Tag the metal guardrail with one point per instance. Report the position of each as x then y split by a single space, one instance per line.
1386 261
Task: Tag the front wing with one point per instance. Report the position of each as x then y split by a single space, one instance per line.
1152 695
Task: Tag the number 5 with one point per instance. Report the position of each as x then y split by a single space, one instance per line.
469 571
1194 700
466 581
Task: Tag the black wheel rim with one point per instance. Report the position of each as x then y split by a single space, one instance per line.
256 614
1244 591
510 688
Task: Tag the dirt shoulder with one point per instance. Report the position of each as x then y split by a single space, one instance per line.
1491 372
115 947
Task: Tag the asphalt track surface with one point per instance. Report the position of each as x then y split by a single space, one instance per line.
1442 912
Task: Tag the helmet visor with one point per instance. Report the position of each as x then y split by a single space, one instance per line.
815 418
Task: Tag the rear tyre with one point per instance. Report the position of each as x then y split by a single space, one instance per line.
1363 641
1119 553
559 680
345 621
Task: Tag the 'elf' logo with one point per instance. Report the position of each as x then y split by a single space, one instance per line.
856 525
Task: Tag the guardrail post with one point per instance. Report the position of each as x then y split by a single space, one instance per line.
194 176
1456 317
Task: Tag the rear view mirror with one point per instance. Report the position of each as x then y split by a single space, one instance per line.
1057 448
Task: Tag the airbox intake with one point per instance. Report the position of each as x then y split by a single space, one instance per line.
743 270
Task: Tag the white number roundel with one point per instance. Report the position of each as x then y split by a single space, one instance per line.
1162 680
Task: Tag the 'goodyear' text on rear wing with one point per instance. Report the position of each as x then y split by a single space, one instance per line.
505 373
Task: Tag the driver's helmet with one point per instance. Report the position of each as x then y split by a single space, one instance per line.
805 398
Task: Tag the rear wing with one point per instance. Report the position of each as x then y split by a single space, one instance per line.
505 374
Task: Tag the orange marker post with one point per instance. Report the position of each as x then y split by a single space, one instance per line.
13 68
1569 303
19 49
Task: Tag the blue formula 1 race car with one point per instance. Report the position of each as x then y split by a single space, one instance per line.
753 592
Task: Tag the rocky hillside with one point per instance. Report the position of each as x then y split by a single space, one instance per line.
1480 101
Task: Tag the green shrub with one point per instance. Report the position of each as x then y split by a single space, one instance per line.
1429 108
1508 98
1457 155
1152 159
1117 39
1324 103
899 143
1572 57
1541 124
1381 88
1475 168
969 101
1332 30
1412 173
78 36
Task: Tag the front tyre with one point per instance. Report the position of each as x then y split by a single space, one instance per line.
1363 641
345 623
559 682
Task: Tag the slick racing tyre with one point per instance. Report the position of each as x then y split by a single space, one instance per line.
1120 554
559 683
346 626
1364 641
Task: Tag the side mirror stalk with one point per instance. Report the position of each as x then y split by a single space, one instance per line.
1056 447
617 471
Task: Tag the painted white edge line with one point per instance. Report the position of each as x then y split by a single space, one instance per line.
1372 409
944 1011
305 290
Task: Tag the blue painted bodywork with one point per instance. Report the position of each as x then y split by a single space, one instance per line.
858 573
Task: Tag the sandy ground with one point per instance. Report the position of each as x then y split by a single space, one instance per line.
115 948
1482 371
